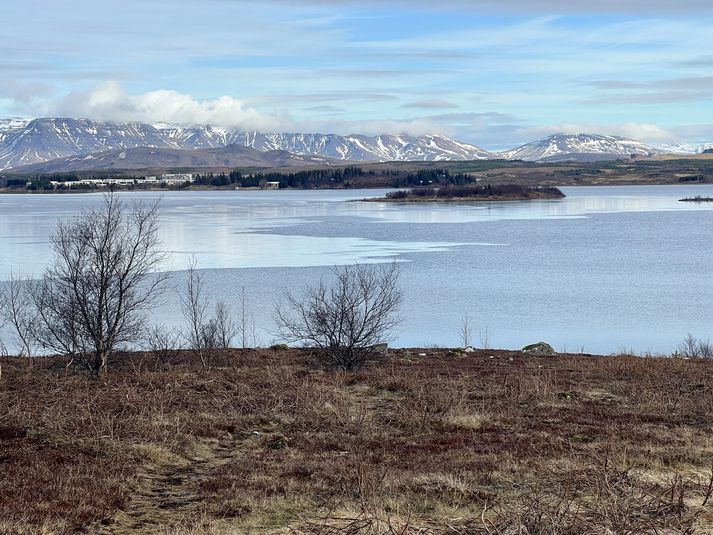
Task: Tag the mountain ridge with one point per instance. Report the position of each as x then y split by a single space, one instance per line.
578 147
46 139
25 143
139 158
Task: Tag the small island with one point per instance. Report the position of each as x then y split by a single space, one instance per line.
505 192
697 198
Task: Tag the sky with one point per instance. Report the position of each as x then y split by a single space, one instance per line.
495 74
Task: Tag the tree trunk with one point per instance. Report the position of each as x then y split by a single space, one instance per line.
101 359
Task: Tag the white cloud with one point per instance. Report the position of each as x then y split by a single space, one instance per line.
414 127
108 101
554 6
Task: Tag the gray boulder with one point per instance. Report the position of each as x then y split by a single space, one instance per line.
539 349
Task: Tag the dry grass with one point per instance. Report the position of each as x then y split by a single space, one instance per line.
264 442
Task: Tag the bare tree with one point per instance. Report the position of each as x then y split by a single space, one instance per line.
225 327
465 330
17 310
93 298
206 331
164 343
694 348
485 336
195 311
346 319
689 347
3 322
246 323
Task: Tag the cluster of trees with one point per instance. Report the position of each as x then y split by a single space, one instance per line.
343 177
351 176
93 300
314 178
450 191
433 177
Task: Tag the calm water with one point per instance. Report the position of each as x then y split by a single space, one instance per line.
606 268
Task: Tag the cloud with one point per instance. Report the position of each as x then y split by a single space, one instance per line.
687 89
23 93
110 102
325 109
493 130
641 7
417 126
700 61
325 96
499 131
432 104
695 133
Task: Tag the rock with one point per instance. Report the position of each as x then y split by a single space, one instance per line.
538 349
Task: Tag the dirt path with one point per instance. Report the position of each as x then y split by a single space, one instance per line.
166 494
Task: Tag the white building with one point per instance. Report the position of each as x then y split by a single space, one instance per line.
169 179
177 178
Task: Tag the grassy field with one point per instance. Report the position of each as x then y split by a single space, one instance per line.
426 441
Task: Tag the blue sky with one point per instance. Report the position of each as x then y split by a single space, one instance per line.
491 73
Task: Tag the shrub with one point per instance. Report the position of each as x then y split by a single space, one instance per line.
346 319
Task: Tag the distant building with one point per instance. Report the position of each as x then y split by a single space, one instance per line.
272 185
98 182
177 178
169 179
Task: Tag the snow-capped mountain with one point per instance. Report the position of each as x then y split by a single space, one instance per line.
366 148
352 147
41 140
24 143
687 148
578 147
164 158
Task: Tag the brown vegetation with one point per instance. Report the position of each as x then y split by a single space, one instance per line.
488 442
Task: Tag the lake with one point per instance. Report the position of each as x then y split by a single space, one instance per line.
606 269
